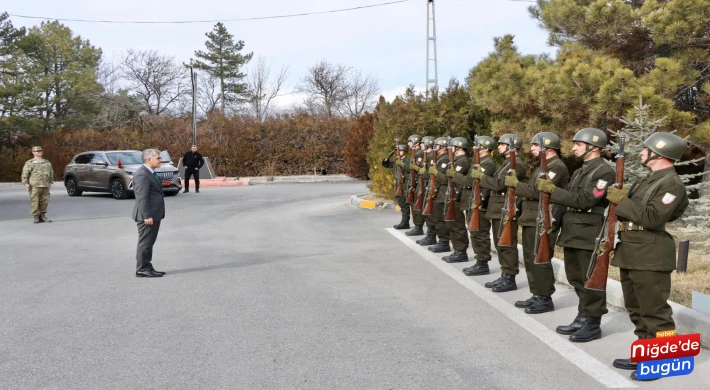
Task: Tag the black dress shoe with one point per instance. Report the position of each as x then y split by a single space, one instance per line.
506 284
456 257
633 376
148 274
495 282
576 325
186 191
480 268
541 305
526 303
159 272
197 190
625 364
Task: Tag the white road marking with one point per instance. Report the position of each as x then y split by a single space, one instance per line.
591 366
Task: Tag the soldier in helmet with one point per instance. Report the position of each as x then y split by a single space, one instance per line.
430 160
415 144
439 169
541 279
508 256
38 177
458 172
481 240
585 200
401 161
646 254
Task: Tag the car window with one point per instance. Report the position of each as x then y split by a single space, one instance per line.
83 159
98 159
125 157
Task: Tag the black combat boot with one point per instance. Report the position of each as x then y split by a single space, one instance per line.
526 303
625 364
541 305
590 331
506 284
633 376
417 231
456 257
441 246
495 282
430 239
576 325
480 268
404 224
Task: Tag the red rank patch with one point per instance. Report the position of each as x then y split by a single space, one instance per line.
597 193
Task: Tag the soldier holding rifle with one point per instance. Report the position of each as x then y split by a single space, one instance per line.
430 160
507 255
439 172
646 254
541 279
415 164
581 224
400 182
458 172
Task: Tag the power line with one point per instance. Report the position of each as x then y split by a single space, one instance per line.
212 21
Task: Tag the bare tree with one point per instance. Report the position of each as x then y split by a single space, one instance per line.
326 86
262 90
208 92
361 94
154 78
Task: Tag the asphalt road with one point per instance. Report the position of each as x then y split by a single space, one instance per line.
269 287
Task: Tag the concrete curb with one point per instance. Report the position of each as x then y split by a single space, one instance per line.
221 181
299 179
357 201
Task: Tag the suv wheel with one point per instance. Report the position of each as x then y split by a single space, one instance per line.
118 189
70 183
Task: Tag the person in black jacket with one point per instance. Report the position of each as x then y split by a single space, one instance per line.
192 161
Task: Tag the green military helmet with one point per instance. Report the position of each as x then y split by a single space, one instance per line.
667 145
402 147
442 141
552 140
459 142
487 142
511 140
428 141
414 138
592 136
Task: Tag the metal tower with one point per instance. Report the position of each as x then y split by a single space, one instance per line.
431 41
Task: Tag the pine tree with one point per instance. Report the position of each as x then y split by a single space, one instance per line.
223 61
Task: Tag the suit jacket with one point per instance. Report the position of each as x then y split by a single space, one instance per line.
149 196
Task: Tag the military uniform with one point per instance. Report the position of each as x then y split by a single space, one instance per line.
457 228
431 233
401 200
39 175
442 231
541 279
417 216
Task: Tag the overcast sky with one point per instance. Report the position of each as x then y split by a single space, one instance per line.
387 41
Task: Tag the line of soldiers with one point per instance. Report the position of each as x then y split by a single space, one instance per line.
645 252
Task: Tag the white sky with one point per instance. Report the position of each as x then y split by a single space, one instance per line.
388 41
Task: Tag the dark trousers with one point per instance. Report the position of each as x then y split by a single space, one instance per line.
457 229
507 255
147 234
192 172
481 240
591 302
404 207
541 278
430 224
442 231
417 217
646 298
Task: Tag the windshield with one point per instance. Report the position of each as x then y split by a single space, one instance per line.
125 157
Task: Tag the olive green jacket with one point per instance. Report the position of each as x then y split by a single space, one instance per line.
442 164
488 166
559 174
496 184
463 191
38 173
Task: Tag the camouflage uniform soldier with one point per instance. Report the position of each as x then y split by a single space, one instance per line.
414 143
508 256
459 172
541 278
581 225
38 177
646 254
439 169
430 156
401 161
481 240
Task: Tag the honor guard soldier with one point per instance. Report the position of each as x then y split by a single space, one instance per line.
481 240
430 156
400 161
439 169
38 177
586 203
541 278
414 143
646 254
457 228
507 255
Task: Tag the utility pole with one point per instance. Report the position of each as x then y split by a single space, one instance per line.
431 41
193 78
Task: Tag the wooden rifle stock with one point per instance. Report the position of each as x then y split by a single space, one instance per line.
506 236
398 191
598 275
450 213
429 207
419 202
474 224
543 255
412 182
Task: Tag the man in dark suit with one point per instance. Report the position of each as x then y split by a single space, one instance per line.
148 211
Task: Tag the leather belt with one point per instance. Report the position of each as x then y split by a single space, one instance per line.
593 210
624 226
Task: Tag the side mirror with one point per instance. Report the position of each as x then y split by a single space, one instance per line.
102 163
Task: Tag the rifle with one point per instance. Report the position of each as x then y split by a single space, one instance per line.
399 176
506 236
429 208
474 224
543 255
419 203
412 182
450 210
599 268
